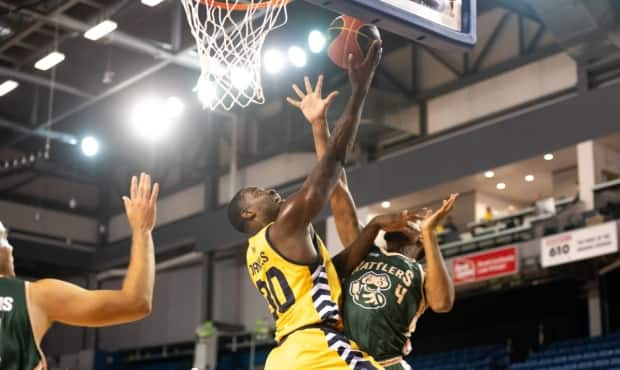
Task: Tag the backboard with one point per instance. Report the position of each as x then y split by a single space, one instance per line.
444 24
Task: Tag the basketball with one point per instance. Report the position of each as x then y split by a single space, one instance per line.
350 35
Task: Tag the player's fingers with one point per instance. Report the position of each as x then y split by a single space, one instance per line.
293 102
126 203
298 91
154 194
319 86
147 186
141 186
372 53
331 97
308 85
133 189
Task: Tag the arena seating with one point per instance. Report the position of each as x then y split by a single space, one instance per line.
583 354
473 358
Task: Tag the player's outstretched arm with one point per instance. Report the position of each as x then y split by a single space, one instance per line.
438 287
55 300
346 261
299 209
314 108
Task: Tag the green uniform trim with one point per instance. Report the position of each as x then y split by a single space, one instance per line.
18 349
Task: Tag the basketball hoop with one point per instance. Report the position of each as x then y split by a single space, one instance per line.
229 38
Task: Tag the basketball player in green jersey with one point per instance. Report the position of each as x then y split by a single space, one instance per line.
388 291
28 310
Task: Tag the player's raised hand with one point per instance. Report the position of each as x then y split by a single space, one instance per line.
311 103
361 74
431 220
400 221
141 205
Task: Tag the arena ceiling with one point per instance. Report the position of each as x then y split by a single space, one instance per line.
92 91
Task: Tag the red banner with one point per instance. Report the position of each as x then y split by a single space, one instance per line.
484 265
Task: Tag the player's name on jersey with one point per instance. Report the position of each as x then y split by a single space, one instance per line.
405 276
6 304
256 266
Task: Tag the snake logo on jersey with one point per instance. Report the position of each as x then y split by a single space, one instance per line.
367 291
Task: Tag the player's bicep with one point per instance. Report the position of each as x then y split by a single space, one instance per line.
70 304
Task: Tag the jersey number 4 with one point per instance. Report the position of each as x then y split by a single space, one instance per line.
273 297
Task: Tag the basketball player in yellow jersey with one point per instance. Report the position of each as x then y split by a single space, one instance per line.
289 264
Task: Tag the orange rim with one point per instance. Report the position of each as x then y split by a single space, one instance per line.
258 5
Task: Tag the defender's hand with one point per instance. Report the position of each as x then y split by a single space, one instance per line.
361 74
311 103
141 206
431 221
399 221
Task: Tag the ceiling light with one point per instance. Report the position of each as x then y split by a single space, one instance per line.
207 92
49 61
8 86
297 56
273 61
529 178
316 41
149 119
489 174
174 107
386 204
90 146
548 157
500 186
5 30
151 2
240 78
100 30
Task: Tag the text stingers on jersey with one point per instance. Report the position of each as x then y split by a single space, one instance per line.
258 264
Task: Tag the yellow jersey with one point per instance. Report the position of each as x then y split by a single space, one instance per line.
298 295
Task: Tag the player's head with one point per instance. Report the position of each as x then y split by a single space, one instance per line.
409 243
6 254
251 209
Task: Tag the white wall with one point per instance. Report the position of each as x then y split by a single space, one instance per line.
513 88
565 182
178 303
607 162
52 223
174 207
226 288
268 173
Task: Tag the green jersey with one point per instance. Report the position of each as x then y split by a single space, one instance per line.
383 298
18 350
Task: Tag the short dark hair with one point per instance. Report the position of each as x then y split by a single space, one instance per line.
235 207
396 236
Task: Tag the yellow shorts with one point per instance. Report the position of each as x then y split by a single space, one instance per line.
319 348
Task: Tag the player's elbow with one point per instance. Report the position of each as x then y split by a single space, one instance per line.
443 306
144 307
140 307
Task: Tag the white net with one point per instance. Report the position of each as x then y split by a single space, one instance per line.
229 44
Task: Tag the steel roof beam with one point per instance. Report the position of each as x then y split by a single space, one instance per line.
38 80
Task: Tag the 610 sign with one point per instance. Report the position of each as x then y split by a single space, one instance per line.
559 250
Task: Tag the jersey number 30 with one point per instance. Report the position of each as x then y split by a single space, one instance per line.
272 296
